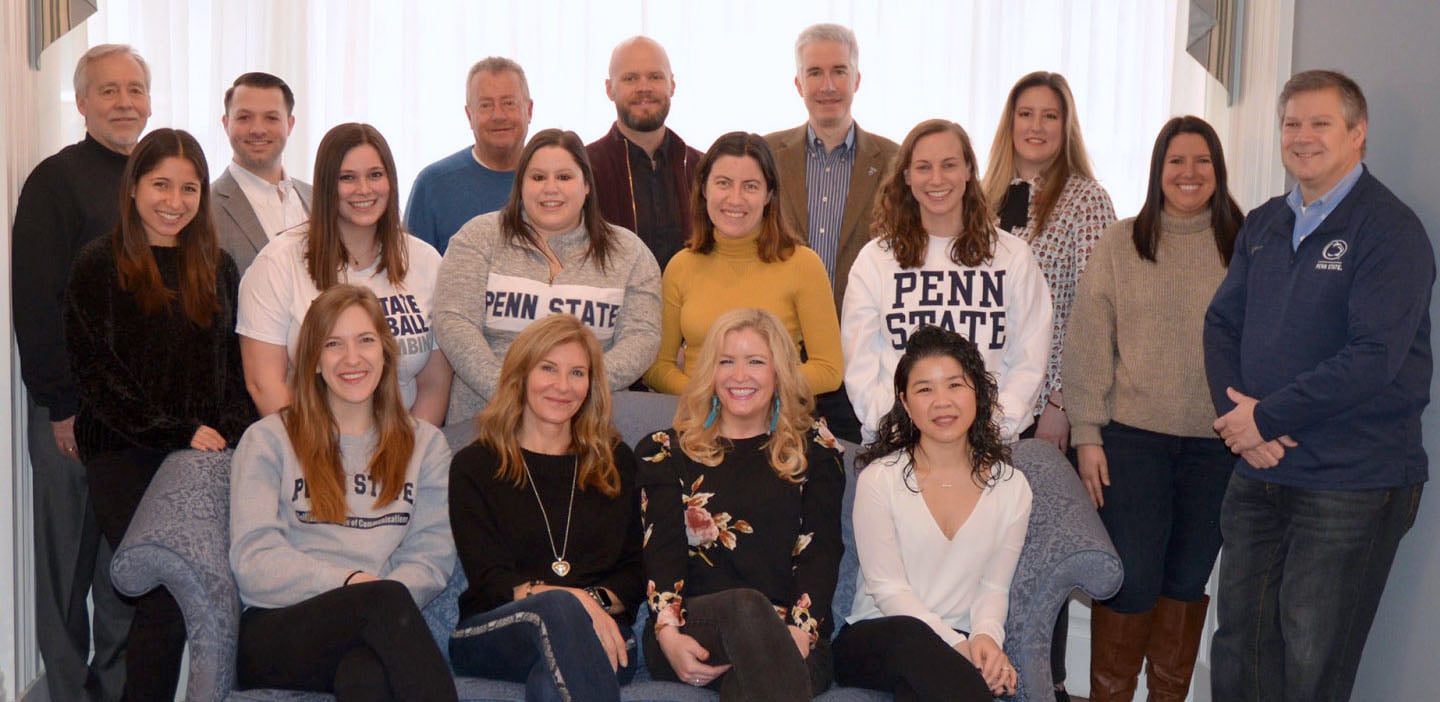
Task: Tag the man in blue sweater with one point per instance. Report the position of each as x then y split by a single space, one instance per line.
478 178
1317 348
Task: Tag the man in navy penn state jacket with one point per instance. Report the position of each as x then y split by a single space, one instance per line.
1317 348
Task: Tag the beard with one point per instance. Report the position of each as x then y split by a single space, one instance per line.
643 124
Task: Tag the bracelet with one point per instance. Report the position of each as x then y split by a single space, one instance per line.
530 588
352 575
1053 403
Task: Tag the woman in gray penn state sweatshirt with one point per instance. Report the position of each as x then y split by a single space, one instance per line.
339 520
549 250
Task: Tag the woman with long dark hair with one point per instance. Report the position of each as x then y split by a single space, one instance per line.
149 316
338 528
741 506
548 250
546 520
1141 412
940 518
938 259
355 236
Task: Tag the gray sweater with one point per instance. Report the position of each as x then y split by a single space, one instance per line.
490 290
281 559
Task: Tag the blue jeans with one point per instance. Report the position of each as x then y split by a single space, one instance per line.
1300 580
1162 510
546 641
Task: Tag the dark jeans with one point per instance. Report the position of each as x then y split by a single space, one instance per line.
72 560
902 655
545 641
740 627
157 632
1162 510
1300 580
365 641
839 414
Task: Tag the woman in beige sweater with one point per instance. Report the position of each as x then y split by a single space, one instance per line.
1140 412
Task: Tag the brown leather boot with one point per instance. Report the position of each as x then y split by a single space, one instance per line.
1117 648
1174 641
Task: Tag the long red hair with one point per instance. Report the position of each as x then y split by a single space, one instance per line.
310 423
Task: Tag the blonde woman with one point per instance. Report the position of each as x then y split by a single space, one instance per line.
1042 188
741 510
1044 191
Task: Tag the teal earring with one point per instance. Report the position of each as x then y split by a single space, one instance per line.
775 415
714 411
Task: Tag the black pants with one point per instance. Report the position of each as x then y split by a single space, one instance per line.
904 656
118 480
839 414
365 641
740 627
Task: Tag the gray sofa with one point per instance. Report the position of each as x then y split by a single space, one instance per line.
179 538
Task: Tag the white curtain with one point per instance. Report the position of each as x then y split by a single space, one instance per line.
401 66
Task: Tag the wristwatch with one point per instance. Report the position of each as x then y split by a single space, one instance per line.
600 596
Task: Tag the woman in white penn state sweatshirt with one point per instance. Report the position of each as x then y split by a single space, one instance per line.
339 524
938 259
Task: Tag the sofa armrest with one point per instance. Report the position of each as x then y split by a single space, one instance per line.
1066 548
180 539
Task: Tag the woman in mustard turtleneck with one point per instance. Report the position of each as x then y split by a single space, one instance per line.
740 255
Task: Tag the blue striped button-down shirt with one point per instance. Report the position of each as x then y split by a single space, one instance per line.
827 183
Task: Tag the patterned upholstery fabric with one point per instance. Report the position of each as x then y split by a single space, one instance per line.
180 539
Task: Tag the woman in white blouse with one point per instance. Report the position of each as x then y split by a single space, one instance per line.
940 517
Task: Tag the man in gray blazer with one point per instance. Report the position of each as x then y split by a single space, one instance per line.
829 172
254 198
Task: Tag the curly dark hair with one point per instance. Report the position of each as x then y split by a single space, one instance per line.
897 432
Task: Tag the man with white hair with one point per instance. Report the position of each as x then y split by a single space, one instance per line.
68 200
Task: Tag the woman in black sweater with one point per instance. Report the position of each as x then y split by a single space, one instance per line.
741 508
546 524
149 320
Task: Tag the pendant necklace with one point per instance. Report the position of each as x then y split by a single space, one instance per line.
559 565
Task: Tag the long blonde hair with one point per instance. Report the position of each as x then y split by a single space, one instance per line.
786 445
1073 159
593 435
310 423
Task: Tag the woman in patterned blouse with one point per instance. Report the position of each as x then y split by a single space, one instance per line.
1040 182
1044 190
741 511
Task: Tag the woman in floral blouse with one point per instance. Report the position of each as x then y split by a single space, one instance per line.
741 511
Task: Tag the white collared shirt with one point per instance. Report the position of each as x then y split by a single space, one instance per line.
277 206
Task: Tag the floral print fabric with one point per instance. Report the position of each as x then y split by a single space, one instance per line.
739 524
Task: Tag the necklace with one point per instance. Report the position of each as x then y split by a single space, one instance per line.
559 565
